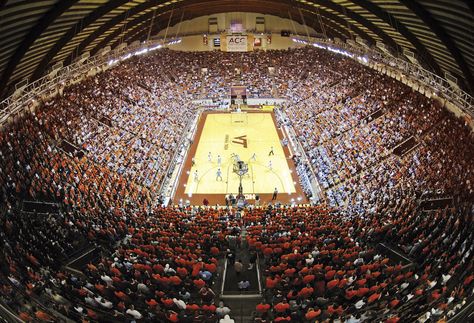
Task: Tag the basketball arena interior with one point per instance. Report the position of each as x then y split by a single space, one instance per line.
224 161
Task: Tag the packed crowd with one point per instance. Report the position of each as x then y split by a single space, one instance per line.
133 129
322 264
351 122
163 268
103 148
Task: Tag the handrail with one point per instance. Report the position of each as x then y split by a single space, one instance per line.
171 167
168 187
48 84
7 315
439 85
314 184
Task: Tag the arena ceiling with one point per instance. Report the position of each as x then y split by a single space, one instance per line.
35 34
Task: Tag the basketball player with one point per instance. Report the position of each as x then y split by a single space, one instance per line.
193 161
209 157
219 175
275 193
219 160
196 177
270 164
271 153
254 157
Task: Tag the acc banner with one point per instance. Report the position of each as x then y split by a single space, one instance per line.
236 43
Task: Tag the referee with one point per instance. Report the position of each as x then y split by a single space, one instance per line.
275 194
271 153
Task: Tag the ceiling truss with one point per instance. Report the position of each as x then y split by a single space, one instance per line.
108 23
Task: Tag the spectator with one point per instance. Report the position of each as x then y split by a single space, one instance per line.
226 319
222 310
243 285
238 267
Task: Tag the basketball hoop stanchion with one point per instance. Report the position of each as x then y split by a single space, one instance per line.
241 168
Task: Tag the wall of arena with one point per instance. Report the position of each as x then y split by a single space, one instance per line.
273 24
195 43
192 31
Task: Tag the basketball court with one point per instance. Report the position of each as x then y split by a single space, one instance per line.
224 138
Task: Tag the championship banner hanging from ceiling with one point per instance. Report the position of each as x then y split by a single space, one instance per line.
236 43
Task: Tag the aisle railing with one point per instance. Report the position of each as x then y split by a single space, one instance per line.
312 180
48 86
375 59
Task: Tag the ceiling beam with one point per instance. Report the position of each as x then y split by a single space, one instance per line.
335 19
35 32
470 5
389 41
72 32
110 39
111 23
339 20
439 31
335 31
393 22
3 3
322 8
212 5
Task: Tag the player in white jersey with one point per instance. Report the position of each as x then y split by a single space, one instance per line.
219 175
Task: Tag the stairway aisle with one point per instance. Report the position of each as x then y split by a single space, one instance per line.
242 303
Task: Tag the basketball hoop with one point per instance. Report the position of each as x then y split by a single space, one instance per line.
240 168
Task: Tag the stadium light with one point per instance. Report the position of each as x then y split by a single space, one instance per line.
174 42
141 51
112 62
300 41
155 47
319 46
340 51
363 59
335 50
126 57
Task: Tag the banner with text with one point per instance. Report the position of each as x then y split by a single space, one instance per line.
236 43
238 92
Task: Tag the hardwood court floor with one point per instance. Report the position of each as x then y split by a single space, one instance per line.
242 134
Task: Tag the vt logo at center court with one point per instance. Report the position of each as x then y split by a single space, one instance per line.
240 140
